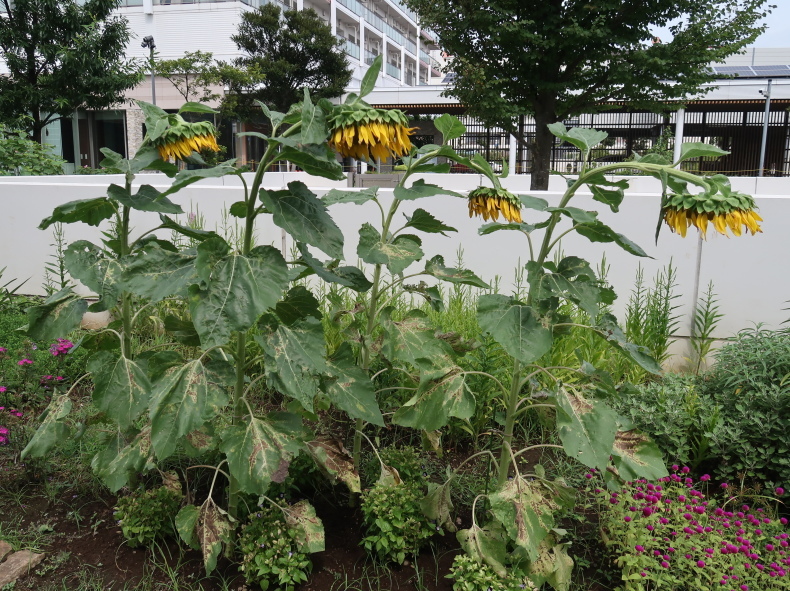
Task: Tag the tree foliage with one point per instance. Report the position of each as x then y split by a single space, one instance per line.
559 58
283 56
62 55
195 76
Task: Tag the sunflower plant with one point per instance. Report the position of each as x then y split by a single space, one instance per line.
201 397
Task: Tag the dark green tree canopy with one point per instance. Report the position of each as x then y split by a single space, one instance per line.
554 59
286 52
62 55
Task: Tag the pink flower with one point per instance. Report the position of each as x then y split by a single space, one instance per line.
779 491
2 388
24 362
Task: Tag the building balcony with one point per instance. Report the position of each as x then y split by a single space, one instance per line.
350 48
393 71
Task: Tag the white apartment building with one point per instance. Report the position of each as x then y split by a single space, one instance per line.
368 28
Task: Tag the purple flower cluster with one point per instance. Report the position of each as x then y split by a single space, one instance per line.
683 537
3 429
61 347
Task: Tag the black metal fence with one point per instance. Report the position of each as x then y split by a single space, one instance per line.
737 131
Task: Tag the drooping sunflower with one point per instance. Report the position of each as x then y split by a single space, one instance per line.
366 133
182 138
489 203
734 211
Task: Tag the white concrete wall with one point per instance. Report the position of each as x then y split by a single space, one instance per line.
750 274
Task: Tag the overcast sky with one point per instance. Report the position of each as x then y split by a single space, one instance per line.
777 35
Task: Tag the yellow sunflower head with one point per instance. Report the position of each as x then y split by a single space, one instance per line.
734 211
366 133
182 138
489 203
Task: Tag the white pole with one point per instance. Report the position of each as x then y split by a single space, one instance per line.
680 120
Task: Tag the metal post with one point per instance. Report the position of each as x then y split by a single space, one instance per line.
767 95
680 120
148 41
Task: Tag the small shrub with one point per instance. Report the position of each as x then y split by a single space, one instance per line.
407 461
749 384
148 516
470 575
270 553
677 418
671 536
396 527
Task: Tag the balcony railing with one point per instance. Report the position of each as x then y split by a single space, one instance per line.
377 22
410 79
350 48
369 57
393 71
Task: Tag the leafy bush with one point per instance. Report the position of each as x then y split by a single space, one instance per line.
678 419
470 575
148 516
21 156
270 552
670 536
395 524
749 383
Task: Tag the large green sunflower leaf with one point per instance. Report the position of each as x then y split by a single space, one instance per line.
96 270
486 545
699 149
438 505
553 565
187 177
199 235
313 121
89 211
514 326
586 428
411 338
597 231
260 451
186 524
636 456
611 197
156 273
304 216
442 393
583 138
118 461
316 160
239 291
420 189
335 461
56 317
357 196
396 254
310 531
295 354
608 330
298 303
435 267
450 127
183 398
52 430
213 531
525 512
350 388
147 198
121 387
425 222
347 276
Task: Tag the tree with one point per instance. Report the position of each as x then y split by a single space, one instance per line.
554 59
284 56
195 76
62 55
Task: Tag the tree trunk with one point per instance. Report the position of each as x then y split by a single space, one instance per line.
541 156
38 127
